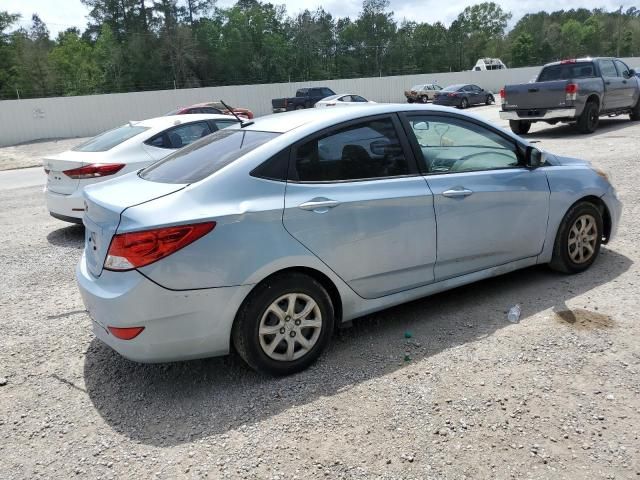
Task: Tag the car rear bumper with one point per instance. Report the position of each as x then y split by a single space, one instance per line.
538 114
178 325
69 208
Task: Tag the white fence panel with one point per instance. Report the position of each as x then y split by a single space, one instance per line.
66 117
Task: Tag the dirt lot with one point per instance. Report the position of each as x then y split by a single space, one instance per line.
31 154
470 395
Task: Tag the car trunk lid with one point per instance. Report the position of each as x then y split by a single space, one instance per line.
56 165
538 95
104 204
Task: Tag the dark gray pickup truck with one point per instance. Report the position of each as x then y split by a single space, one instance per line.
305 98
575 91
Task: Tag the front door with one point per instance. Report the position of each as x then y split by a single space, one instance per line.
613 86
490 209
356 201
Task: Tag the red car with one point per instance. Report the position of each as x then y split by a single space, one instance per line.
212 107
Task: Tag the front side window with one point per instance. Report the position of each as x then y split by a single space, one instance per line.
201 159
358 98
365 150
623 70
451 145
112 138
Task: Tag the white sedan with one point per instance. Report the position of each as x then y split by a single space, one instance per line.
342 100
116 152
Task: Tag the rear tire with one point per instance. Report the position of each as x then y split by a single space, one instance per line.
589 119
273 334
520 127
409 100
578 239
424 99
635 112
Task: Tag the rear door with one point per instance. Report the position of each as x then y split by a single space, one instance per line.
613 85
490 210
356 201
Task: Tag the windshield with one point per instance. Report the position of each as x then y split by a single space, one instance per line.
452 88
566 71
107 140
206 156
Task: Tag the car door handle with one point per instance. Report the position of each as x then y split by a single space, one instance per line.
319 205
457 192
607 83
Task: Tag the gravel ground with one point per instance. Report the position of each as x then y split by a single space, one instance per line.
31 154
469 395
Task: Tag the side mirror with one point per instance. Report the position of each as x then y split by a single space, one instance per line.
534 158
421 126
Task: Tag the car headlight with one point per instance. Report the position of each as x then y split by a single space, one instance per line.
602 173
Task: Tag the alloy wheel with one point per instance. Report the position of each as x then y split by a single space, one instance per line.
290 327
583 237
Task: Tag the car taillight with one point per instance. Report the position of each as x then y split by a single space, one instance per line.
126 333
503 96
453 94
137 249
571 89
94 170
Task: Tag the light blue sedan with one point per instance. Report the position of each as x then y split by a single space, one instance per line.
269 234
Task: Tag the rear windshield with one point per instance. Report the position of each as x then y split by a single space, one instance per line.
206 156
107 140
452 88
566 71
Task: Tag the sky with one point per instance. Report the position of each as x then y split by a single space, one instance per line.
61 14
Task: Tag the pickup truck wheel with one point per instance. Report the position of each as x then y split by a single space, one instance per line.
424 99
578 239
519 127
635 112
300 107
588 121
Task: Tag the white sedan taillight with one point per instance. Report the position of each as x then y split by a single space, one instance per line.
94 170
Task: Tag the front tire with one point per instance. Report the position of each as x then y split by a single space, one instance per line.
490 100
589 119
519 127
578 239
284 324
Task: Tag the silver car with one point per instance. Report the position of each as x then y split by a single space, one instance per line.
268 235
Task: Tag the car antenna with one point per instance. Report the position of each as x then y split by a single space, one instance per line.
243 123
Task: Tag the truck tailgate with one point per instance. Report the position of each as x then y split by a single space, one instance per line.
539 95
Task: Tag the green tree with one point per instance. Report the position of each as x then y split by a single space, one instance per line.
74 64
522 50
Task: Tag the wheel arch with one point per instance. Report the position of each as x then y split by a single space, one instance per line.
593 98
317 275
606 215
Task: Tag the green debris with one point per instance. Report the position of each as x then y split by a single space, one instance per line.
408 334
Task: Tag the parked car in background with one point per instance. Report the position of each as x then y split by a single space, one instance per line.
116 152
577 91
342 100
267 237
305 98
212 107
422 93
463 96
484 64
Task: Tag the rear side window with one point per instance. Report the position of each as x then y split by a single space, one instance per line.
365 150
178 137
201 159
607 68
107 140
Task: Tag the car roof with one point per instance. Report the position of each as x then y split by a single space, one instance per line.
312 119
169 120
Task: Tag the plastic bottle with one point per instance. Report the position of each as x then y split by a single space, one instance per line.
514 313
